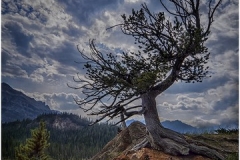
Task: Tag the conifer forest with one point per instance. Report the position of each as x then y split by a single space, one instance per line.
77 142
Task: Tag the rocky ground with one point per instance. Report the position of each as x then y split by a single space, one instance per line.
120 147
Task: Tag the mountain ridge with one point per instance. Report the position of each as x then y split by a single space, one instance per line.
17 106
179 126
175 125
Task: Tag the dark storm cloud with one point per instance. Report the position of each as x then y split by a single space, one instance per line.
210 82
224 44
72 31
23 9
66 54
35 61
5 56
19 37
84 12
64 58
226 101
10 70
156 6
39 50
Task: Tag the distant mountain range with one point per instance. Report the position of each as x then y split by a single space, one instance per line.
176 125
18 106
181 127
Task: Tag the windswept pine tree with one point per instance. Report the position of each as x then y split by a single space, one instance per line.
169 50
35 147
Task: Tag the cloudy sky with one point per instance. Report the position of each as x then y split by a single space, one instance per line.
39 40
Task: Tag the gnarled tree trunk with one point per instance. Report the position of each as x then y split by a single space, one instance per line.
167 140
123 123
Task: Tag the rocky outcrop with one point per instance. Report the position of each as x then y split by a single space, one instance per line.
65 123
120 148
150 154
123 142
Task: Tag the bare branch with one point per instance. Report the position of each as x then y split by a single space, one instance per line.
168 50
211 12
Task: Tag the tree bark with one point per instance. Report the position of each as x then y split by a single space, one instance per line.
167 140
123 123
159 137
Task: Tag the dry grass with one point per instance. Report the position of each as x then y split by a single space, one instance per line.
224 141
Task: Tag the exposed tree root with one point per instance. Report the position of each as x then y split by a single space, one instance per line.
175 143
202 150
142 144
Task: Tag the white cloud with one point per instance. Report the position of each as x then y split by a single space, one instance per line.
211 107
201 122
228 15
132 1
56 29
227 118
56 101
14 72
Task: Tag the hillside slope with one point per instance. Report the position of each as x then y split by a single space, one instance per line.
120 147
70 136
18 106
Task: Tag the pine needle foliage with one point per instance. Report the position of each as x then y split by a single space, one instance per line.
35 147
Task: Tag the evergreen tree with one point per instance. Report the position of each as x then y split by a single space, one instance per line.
66 143
169 50
35 147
